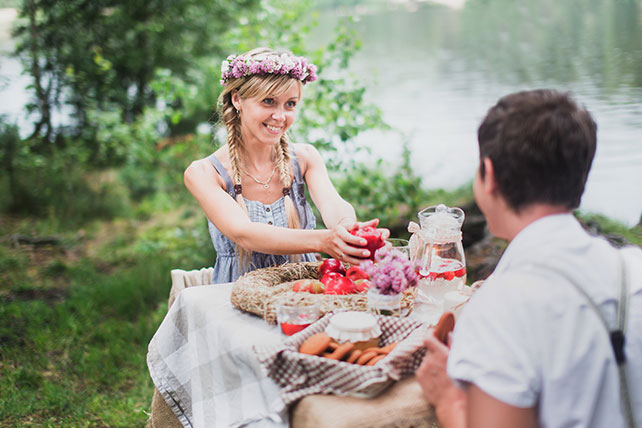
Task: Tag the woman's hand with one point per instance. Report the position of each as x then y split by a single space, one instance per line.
344 246
439 390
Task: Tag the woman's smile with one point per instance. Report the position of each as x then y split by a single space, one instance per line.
273 129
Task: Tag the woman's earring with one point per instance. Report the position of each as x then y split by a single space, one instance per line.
238 113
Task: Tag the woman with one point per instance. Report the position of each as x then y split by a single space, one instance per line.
252 189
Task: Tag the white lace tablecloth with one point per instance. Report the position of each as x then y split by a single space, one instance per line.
202 362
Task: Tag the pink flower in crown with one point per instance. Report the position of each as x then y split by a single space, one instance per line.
297 70
270 64
239 68
255 68
312 69
225 66
287 64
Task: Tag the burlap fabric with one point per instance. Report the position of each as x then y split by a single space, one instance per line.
400 406
299 375
256 292
161 415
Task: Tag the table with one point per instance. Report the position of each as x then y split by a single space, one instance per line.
202 362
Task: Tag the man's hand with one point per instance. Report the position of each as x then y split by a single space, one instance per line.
448 400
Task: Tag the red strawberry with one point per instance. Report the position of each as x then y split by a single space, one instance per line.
460 272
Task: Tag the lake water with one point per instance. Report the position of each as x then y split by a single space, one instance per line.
434 71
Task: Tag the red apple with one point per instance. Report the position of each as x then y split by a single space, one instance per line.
355 273
329 276
313 286
339 285
372 236
331 265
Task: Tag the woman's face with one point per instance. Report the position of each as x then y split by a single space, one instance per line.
265 119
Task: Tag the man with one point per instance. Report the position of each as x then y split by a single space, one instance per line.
529 349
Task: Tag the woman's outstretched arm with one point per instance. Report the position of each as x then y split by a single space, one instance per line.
208 188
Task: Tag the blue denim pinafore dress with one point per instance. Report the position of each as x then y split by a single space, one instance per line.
227 267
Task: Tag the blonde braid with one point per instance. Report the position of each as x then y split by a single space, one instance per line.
284 173
234 144
283 162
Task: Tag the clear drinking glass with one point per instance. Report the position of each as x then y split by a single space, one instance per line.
293 316
401 245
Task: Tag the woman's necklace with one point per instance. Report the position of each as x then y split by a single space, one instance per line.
265 184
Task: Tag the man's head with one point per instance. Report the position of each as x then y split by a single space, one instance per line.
541 145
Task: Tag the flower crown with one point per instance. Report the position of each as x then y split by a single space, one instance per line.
237 66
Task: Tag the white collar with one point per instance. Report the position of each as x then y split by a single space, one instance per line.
541 234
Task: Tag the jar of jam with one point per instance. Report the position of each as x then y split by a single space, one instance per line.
359 328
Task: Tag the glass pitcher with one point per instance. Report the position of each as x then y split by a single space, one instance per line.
442 262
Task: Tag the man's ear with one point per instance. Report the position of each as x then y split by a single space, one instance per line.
489 182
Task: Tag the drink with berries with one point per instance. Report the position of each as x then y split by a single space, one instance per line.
294 314
446 275
290 329
442 267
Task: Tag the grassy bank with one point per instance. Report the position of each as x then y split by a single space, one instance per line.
77 315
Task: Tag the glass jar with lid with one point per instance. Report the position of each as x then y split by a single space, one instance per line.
359 328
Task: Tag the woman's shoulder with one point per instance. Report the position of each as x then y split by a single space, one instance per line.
304 149
203 169
307 155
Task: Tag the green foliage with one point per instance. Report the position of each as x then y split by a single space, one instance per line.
392 194
61 186
101 54
606 226
79 359
9 148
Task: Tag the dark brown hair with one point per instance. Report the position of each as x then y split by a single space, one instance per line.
541 145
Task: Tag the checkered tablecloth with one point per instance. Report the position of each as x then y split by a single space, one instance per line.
202 362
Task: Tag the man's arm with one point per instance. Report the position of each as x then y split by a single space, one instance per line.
484 411
472 408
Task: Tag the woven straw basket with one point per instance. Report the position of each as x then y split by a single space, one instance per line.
256 292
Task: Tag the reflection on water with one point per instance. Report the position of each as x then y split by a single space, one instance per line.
434 71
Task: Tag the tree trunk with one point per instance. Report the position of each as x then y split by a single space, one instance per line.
41 95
